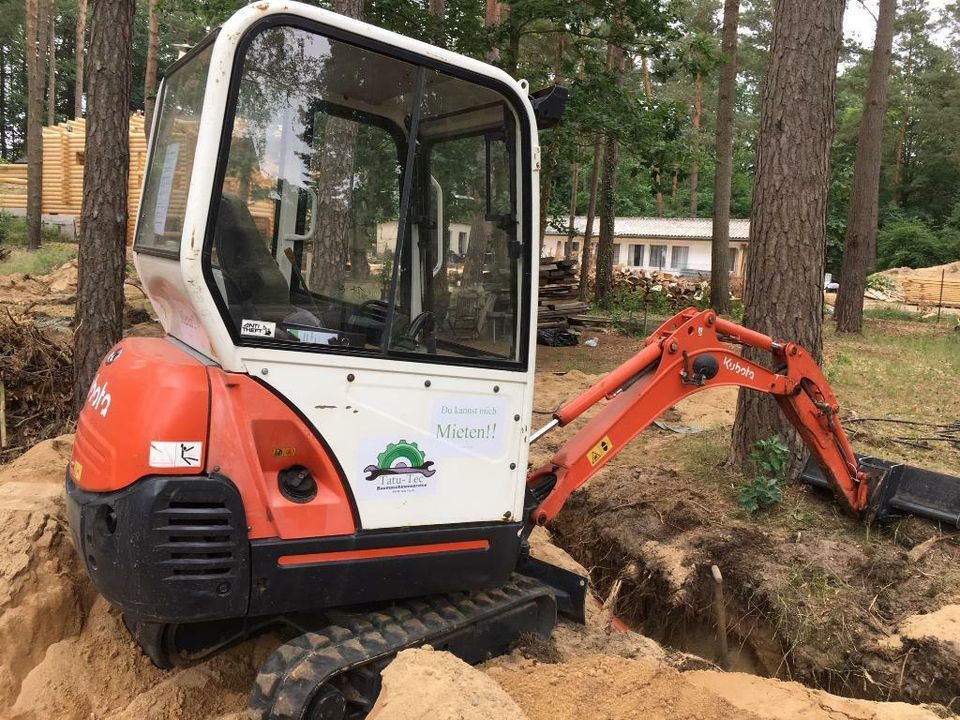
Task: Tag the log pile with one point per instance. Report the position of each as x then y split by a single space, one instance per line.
559 302
678 291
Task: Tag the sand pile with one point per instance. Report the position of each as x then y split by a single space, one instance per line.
424 685
64 652
950 270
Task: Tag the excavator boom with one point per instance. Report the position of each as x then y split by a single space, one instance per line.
695 350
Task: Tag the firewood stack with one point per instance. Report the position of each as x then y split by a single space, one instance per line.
559 301
679 291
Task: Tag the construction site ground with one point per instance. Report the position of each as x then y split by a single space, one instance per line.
815 601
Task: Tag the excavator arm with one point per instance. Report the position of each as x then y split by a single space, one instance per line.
695 351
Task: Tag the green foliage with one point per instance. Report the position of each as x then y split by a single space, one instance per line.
881 283
38 262
892 313
13 231
911 242
770 460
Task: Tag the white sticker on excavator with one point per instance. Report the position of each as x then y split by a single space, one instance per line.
396 468
471 423
258 328
175 454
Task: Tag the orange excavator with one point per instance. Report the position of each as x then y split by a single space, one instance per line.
338 233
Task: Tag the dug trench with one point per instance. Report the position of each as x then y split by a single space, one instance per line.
809 595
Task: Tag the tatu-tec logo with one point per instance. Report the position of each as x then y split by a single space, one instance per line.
735 367
400 458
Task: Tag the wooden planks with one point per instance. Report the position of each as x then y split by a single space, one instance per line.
62 184
926 291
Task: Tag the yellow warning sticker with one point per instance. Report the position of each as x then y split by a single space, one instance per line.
77 470
600 450
284 451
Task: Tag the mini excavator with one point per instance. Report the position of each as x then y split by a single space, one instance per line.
338 232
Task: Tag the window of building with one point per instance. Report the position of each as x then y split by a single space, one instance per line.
658 256
679 256
733 260
576 246
616 253
462 242
636 258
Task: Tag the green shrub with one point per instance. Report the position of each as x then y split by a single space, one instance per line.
881 283
910 242
770 459
13 231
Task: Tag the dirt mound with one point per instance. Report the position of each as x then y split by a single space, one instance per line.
775 700
951 270
817 607
63 650
611 688
423 685
43 593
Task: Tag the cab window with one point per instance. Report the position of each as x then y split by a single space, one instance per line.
330 232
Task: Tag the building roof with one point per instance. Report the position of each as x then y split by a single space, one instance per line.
651 227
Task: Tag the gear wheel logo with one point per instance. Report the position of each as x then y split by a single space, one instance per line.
398 459
397 453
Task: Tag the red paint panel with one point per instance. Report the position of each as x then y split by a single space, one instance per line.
371 553
146 390
253 436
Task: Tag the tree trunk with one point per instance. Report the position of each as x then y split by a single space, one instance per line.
332 232
723 175
647 83
492 17
860 246
608 191
81 44
674 188
603 282
591 214
476 250
150 76
902 134
695 165
103 240
656 180
572 231
33 39
783 292
52 64
3 101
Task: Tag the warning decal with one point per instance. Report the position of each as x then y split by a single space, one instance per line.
175 454
600 450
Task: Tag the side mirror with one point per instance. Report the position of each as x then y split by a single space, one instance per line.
548 105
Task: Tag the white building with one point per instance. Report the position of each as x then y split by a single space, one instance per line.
674 245
387 237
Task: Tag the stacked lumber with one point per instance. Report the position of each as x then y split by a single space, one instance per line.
61 188
559 298
927 291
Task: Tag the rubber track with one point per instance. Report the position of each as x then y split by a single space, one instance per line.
291 675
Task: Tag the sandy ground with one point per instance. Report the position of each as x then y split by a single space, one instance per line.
64 652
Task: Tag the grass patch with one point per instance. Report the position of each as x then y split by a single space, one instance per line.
38 262
13 231
892 313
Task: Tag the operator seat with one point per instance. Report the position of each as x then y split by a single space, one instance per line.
252 282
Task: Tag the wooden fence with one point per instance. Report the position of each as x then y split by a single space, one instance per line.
63 157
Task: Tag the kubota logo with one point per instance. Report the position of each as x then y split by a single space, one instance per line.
735 367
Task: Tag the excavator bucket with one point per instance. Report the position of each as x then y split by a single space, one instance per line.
897 490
